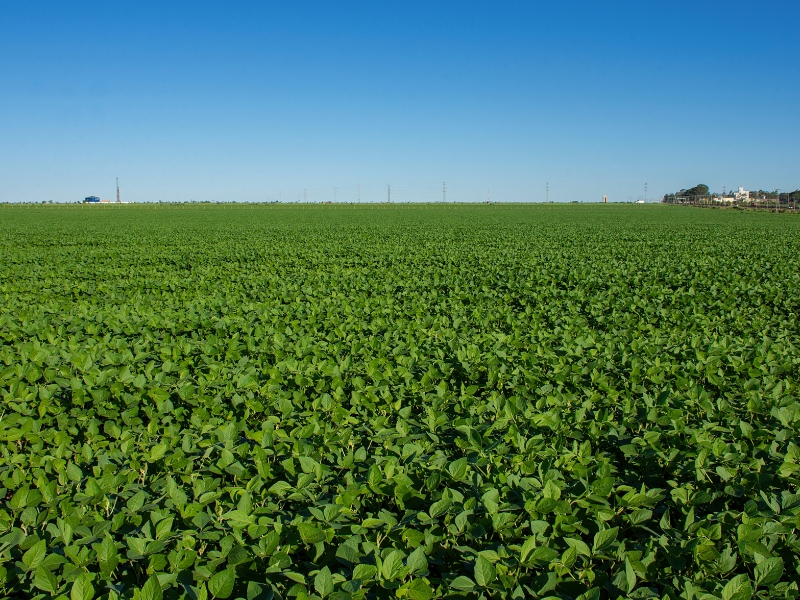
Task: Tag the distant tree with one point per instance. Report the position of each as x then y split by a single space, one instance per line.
700 189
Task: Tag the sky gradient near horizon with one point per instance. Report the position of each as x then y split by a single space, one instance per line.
260 101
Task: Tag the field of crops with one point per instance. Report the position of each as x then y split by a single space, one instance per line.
398 401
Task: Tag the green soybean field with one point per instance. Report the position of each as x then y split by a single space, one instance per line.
398 401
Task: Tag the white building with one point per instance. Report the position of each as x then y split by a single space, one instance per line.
742 195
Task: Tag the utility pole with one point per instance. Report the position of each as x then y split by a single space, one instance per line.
645 193
389 193
117 190
488 197
444 191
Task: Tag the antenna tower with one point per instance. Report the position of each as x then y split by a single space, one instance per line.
117 190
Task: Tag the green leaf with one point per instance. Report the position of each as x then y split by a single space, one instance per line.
221 584
527 548
392 565
82 588
107 550
440 507
591 594
35 555
769 571
136 501
580 546
417 562
164 528
151 590
484 572
458 469
630 575
463 584
738 588
419 589
157 452
348 553
323 582
603 539
279 488
310 534
74 472
364 572
45 580
551 490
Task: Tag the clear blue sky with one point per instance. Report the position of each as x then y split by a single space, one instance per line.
238 101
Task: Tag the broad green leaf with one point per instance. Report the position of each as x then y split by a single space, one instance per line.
82 588
439 508
151 590
769 571
349 553
551 490
323 582
630 575
34 556
484 572
221 583
738 588
364 572
417 562
603 539
164 528
45 580
527 548
462 583
580 546
419 589
311 534
458 469
392 567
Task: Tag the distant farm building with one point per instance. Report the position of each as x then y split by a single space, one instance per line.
91 199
